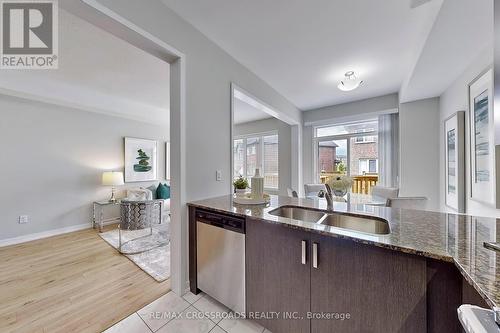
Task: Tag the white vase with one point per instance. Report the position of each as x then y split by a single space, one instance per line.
240 192
257 184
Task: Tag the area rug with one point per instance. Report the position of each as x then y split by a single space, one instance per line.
155 262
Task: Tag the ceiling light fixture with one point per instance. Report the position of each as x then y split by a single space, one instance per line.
350 82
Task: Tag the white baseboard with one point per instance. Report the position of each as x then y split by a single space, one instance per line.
43 234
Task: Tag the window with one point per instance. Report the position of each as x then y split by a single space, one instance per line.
238 157
253 157
253 152
332 158
348 128
368 165
368 138
347 149
270 160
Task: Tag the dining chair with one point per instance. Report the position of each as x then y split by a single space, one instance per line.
418 203
292 193
385 192
313 189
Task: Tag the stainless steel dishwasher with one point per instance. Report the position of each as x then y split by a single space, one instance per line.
220 251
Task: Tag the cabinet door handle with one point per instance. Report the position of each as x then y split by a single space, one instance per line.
303 244
315 255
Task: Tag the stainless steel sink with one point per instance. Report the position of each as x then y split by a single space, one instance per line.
370 225
298 213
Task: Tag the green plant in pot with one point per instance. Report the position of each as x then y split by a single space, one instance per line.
240 185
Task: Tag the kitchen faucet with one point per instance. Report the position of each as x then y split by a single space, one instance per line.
329 198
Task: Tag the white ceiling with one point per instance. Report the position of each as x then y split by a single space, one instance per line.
303 48
463 30
244 113
97 72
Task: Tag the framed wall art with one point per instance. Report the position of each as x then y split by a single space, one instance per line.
167 160
141 159
482 144
454 138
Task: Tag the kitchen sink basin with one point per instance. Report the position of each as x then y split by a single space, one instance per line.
369 224
298 213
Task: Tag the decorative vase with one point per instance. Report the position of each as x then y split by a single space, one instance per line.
240 192
340 192
257 184
340 185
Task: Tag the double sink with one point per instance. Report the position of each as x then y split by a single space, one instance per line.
371 225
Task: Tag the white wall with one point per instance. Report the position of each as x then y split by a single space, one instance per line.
353 111
419 150
454 99
370 107
52 159
284 137
308 155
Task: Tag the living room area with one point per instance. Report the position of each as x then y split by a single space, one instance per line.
87 229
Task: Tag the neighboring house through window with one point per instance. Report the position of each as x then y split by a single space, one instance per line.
261 152
346 149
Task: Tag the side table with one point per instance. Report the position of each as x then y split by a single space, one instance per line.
98 213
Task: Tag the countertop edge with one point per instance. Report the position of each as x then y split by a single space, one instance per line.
335 235
473 283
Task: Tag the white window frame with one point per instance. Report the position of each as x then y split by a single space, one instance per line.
260 159
316 140
366 138
368 160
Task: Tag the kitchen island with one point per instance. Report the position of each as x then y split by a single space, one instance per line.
427 265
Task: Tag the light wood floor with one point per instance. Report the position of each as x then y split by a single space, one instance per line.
70 283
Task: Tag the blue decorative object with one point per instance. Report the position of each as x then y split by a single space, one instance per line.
163 191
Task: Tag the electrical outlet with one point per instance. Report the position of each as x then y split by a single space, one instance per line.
23 219
218 175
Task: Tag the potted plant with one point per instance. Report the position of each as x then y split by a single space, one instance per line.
240 185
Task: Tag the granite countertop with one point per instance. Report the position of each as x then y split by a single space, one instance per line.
446 237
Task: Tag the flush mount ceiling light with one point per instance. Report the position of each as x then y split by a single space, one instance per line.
350 82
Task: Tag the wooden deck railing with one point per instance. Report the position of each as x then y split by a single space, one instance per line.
360 184
364 184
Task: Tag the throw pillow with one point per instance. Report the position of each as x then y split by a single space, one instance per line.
153 189
163 191
136 195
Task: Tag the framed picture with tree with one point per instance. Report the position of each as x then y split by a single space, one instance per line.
141 159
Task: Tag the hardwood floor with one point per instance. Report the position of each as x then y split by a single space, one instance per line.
74 282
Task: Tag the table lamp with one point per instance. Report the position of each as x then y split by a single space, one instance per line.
112 178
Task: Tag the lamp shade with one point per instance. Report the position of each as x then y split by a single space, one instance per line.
112 178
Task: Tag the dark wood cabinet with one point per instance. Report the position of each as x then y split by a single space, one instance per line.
352 287
371 289
276 278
